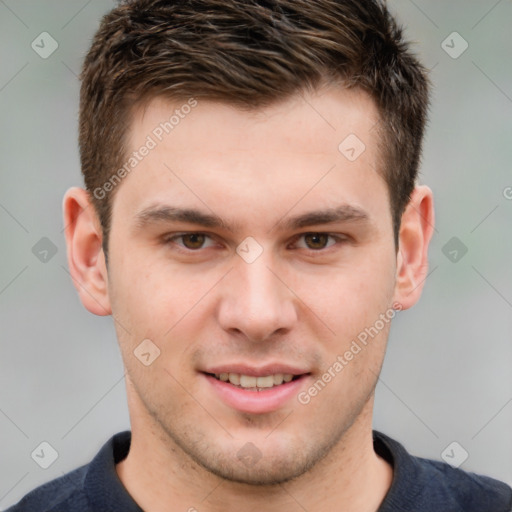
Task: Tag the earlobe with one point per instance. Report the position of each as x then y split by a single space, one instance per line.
416 231
86 259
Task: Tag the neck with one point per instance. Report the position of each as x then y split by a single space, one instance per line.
159 475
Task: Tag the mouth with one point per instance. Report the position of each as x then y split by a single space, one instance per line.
253 383
256 391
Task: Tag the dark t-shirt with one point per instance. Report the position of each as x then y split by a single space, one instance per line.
419 485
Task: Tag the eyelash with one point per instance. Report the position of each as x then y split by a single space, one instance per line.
337 238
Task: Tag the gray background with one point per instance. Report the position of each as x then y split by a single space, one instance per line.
447 376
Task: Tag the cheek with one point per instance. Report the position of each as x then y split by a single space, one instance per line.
155 301
349 298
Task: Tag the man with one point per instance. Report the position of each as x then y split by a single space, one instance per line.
251 221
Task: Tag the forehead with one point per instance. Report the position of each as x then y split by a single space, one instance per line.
312 149
314 121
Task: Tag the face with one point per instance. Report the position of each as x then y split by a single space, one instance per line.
253 248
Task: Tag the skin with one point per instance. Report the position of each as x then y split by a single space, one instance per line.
301 302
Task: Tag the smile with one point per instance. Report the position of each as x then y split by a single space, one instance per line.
264 393
252 383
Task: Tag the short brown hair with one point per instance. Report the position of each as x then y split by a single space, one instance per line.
249 53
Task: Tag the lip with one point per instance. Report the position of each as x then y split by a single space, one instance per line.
256 402
256 371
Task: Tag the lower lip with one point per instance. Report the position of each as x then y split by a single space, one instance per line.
256 402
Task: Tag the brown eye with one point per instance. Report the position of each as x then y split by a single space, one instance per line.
193 240
189 242
316 240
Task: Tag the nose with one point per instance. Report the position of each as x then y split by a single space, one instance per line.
256 301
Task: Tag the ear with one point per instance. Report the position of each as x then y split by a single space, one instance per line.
416 231
86 259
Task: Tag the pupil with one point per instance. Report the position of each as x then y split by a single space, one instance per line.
193 241
316 240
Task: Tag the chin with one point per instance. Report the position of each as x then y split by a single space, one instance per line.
264 462
267 471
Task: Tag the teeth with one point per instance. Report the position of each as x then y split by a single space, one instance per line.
265 382
278 379
251 382
246 381
234 378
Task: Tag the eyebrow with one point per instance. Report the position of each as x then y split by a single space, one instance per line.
169 214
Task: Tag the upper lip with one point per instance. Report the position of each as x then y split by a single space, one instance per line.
256 371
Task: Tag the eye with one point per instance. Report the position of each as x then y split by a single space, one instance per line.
317 241
190 241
